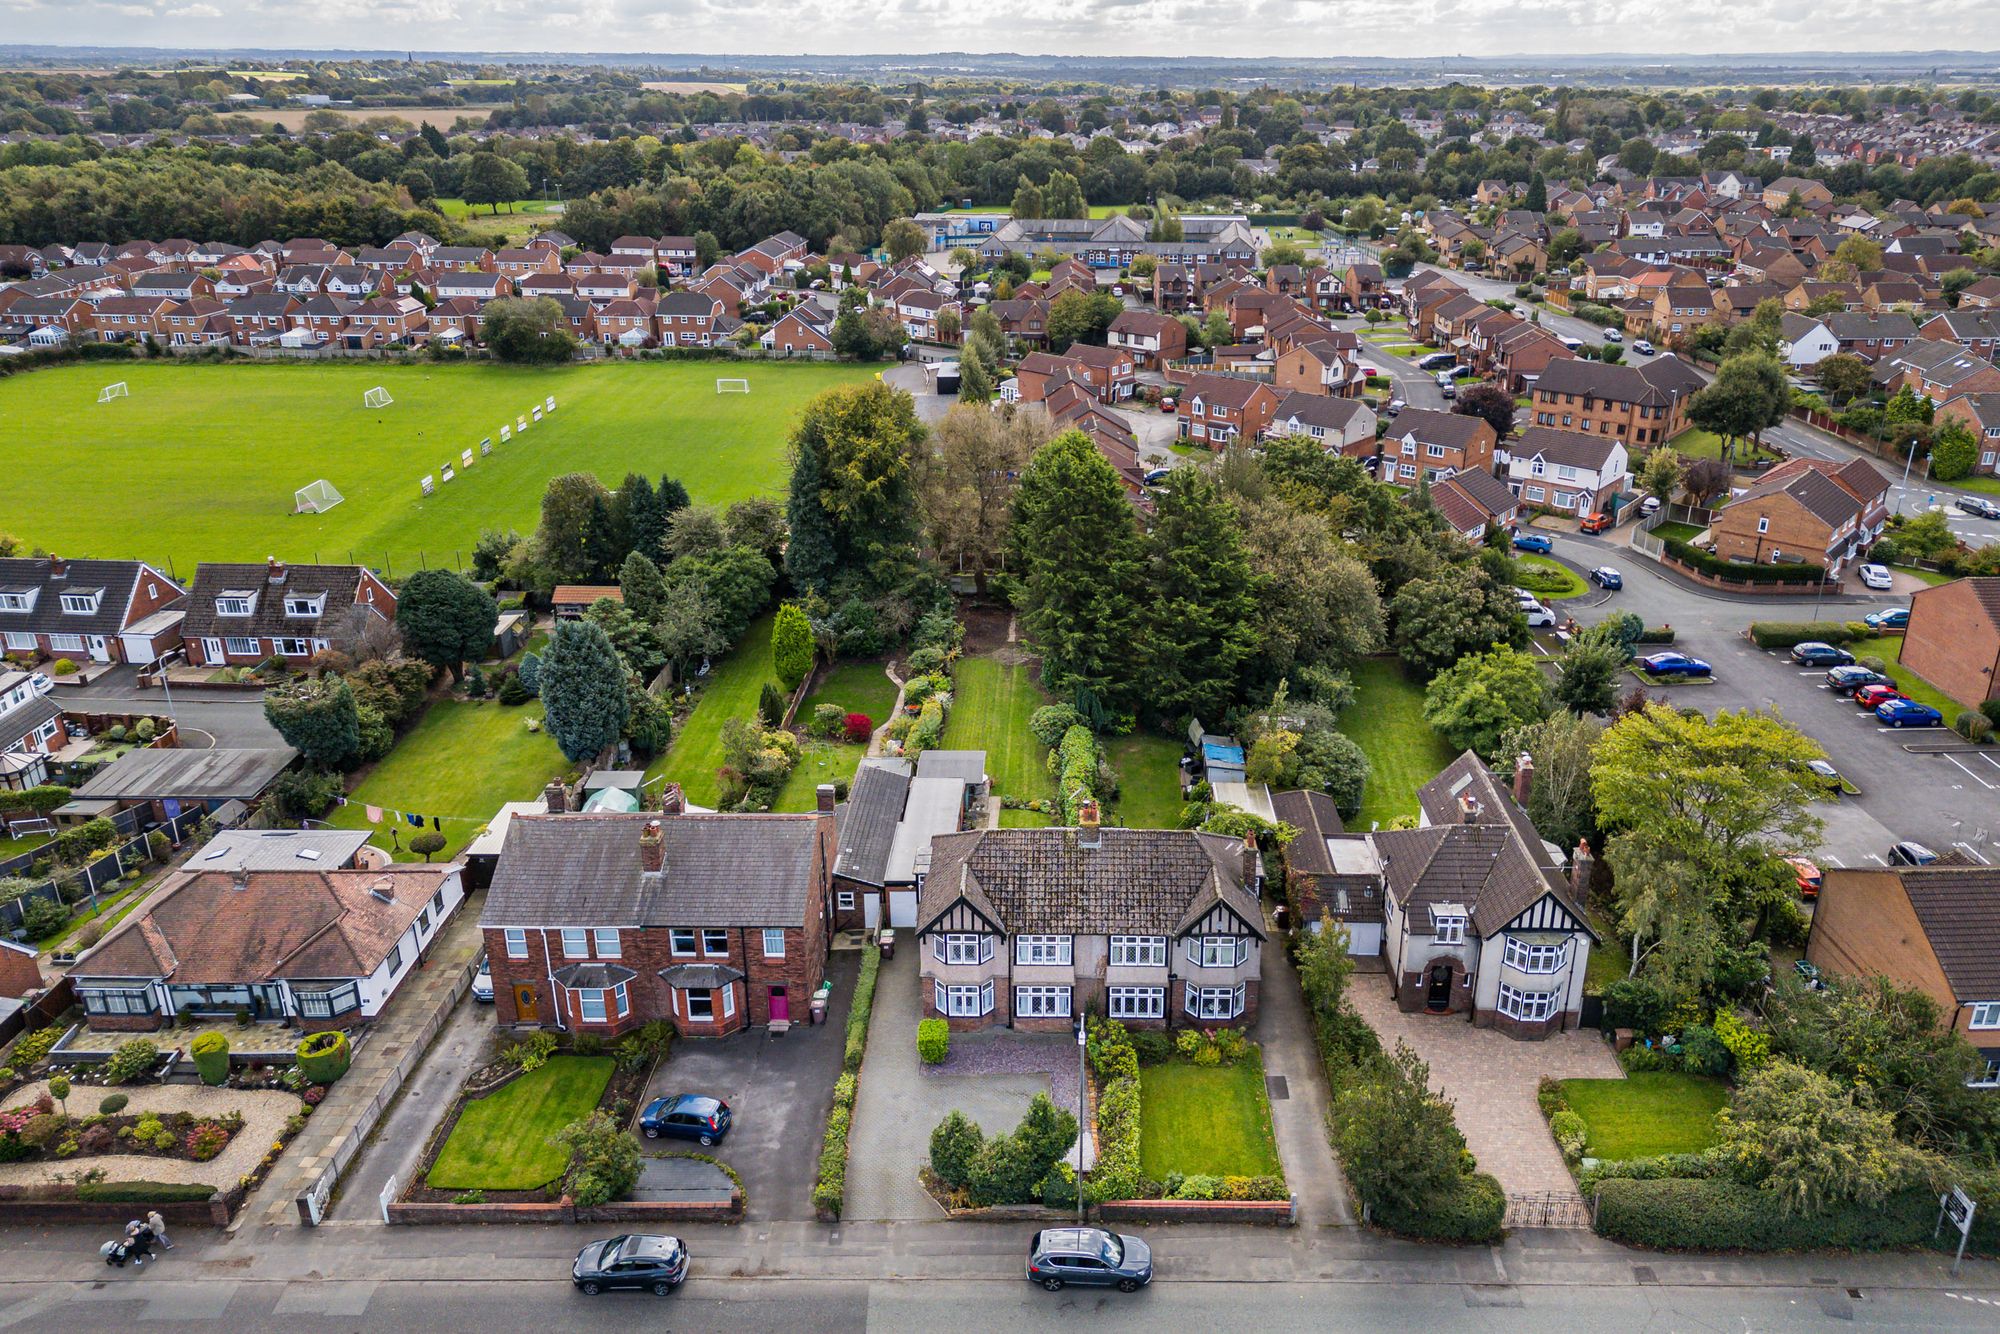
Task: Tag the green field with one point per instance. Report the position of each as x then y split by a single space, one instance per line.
460 762
990 706
502 1142
1215 1121
201 462
1387 721
459 210
1644 1115
1149 781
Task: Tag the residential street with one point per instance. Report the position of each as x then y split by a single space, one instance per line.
208 718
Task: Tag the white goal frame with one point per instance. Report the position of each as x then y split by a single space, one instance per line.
316 498
116 389
725 384
378 397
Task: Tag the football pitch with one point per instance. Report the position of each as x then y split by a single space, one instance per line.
202 462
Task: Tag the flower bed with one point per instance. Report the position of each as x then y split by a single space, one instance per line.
38 1132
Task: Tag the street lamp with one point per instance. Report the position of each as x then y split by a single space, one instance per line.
1081 1103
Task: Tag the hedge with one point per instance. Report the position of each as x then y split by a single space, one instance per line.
1470 1211
933 1040
323 1057
1116 1175
1656 634
1700 560
1784 634
143 1192
1720 1214
857 1014
830 1189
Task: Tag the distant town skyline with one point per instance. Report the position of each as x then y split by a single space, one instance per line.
1259 28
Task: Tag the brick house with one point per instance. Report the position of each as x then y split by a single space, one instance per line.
1151 338
1937 370
1623 403
1804 510
687 319
261 318
1318 366
1424 443
1027 928
31 723
316 949
1976 329
1109 370
1218 409
117 318
1931 928
803 329
1345 425
239 615
1472 502
1870 335
1981 415
86 610
1953 638
603 922
1329 875
1566 471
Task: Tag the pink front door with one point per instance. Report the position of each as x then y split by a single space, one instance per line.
781 1006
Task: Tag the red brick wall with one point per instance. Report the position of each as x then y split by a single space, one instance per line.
1952 643
1793 529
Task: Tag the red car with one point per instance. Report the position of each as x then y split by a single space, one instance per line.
1869 696
1595 523
1808 876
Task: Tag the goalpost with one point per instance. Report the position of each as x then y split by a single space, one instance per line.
724 385
315 498
378 397
111 391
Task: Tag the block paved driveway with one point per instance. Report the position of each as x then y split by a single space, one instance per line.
1492 1079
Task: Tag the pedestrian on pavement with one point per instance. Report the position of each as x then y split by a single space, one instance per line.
158 1225
139 1241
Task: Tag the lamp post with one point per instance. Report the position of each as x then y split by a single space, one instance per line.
1081 1103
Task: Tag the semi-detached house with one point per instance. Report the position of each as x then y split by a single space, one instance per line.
87 610
240 615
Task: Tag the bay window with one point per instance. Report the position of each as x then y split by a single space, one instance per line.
1528 1005
962 948
1217 951
1215 1002
1530 957
590 1005
963 1000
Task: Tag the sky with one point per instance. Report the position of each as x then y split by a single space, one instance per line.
1326 28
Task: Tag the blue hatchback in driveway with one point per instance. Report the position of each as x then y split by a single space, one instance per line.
1533 542
694 1116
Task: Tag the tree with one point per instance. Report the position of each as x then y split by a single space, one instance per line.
965 484
603 1160
1660 475
867 334
1201 595
903 239
1560 803
1063 197
427 844
1076 549
1478 700
1491 404
1954 451
1749 394
1080 317
527 332
1318 602
853 502
1853 257
583 689
1458 610
416 182
640 587
1565 247
1802 1137
488 178
1843 376
1399 1143
574 534
687 622
791 645
975 384
1589 673
963 258
948 324
1705 479
1027 204
1537 200
318 719
446 619
637 644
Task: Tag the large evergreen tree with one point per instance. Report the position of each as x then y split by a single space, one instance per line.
1077 549
810 558
852 501
583 689
446 619
1201 598
318 718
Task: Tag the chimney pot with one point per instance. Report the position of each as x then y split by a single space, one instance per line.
1087 817
58 567
652 850
1250 879
673 800
556 797
1468 809
1580 864
274 569
1524 776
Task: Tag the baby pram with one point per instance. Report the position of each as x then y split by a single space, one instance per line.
135 1245
116 1252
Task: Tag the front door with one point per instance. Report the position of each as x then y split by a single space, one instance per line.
871 908
527 1005
781 1006
100 650
1439 995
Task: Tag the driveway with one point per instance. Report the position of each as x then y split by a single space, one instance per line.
207 718
1492 1079
780 1089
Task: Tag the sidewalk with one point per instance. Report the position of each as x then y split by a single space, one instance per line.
1298 1117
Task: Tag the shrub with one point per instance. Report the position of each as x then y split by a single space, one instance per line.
1571 1134
41 917
830 1187
1721 1214
1550 1097
1784 634
323 1057
933 1040
1973 726
858 727
1230 1045
858 1013
1656 634
1750 1048
1189 1041
143 1192
1469 1209
205 1139
1710 564
828 720
1152 1046
1635 1003
604 1159
1702 1052
531 1053
34 1047
1051 722
955 1144
132 1061
512 691
211 1057
587 1044
113 1105
63 667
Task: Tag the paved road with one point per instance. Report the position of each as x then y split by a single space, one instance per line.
207 718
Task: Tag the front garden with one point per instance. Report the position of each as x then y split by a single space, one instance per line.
505 1141
1645 1114
1207 1120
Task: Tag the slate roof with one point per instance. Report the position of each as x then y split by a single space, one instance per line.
1821 496
1443 802
867 822
719 870
1321 410
1616 383
190 775
117 578
339 583
1572 448
969 765
1313 814
1959 908
31 714
1453 430
1143 881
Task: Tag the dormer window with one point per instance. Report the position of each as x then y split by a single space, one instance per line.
305 606
1448 927
235 602
17 599
81 604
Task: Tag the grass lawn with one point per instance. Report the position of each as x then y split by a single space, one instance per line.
1889 648
990 707
1608 961
1149 781
459 211
1679 532
1549 578
1214 1121
730 691
1013 818
1643 1115
1387 721
149 462
14 847
857 687
1931 577
1695 443
501 1142
460 762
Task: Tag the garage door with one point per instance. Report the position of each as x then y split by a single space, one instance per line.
1364 938
902 907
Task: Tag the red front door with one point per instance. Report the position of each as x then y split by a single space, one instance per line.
781 1006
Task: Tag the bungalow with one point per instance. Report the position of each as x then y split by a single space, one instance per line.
241 615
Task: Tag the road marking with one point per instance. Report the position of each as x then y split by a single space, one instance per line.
1876 858
1971 851
1969 774
1831 859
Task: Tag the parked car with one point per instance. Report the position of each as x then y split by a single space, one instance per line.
1607 578
1908 853
1847 680
1908 713
1813 653
1448 387
694 1116
1613 335
1978 507
1088 1257
1534 542
1437 361
1643 348
1827 776
1674 664
1873 696
1876 576
40 683
1169 404
1891 618
1539 616
1808 876
482 982
1156 476
1649 506
636 1261
1595 522
1394 406
1573 344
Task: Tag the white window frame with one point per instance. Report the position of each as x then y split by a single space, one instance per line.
675 934
292 646
844 899
1535 494
962 1000
66 643
1139 951
1526 957
79 604
1991 1078
515 939
1041 1002
235 606
19 641
714 942
1137 1002
708 998
1217 951
1448 930
1043 949
575 942
728 1000
1528 1006
15 602
605 941
774 935
962 947
1985 1014
1763 525
242 645
1213 1002
586 999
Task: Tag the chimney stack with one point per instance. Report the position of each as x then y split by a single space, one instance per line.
1251 880
58 567
652 852
673 801
274 569
825 794
1088 833
556 797
1468 809
1581 863
1524 776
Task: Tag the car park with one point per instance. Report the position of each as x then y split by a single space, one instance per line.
1643 348
482 982
1876 577
1674 664
1607 578
636 1262
1908 853
1595 522
1908 713
694 1116
1978 507
1088 1257
1808 876
1891 618
1873 696
1534 542
1813 653
1846 680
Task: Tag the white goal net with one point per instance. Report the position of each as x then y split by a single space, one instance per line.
378 397
728 386
111 391
315 498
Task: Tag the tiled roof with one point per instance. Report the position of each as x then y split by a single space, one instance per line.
338 584
867 822
1314 816
1453 430
1959 908
1571 448
117 580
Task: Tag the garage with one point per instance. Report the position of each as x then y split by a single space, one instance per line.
1364 938
902 907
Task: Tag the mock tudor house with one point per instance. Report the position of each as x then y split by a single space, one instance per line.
94 610
313 948
1027 928
601 922
243 614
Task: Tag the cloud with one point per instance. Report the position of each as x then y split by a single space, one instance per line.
194 12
